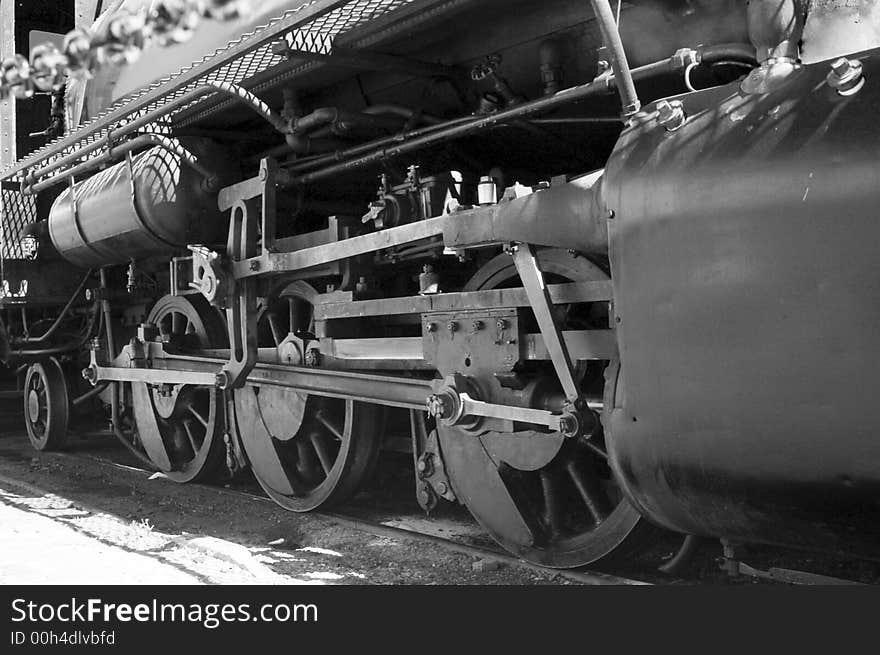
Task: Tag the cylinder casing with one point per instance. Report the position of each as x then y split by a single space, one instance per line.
744 255
151 206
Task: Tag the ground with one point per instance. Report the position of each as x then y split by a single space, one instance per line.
71 520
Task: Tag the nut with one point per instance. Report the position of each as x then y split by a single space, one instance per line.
313 357
569 425
221 380
846 76
437 406
670 114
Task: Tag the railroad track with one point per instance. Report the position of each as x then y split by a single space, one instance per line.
380 529
390 522
353 520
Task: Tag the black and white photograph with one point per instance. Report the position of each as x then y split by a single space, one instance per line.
328 295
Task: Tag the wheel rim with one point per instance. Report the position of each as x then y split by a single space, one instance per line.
46 405
560 508
305 451
180 427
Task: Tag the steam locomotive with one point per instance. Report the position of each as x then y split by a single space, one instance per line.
600 267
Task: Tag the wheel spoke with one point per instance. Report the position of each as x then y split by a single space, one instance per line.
321 450
596 450
593 497
201 419
187 426
306 462
327 423
276 331
291 310
552 503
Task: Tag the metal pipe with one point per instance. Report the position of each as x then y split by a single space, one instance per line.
740 52
626 87
209 88
75 344
458 130
117 152
48 333
91 393
340 155
114 387
403 143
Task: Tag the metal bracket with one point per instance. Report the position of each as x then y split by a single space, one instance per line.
432 482
539 298
241 314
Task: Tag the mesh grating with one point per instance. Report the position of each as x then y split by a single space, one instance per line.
17 210
224 65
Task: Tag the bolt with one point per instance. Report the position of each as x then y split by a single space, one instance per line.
254 265
425 494
477 326
501 324
846 76
313 357
221 379
452 326
841 66
431 327
437 406
670 114
442 488
568 425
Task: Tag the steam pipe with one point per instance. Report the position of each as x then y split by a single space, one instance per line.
368 153
118 152
91 393
209 88
48 333
75 344
402 144
626 87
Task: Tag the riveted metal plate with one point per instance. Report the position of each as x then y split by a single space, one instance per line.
472 342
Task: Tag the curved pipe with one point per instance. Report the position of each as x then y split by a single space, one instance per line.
683 556
48 333
119 151
74 344
626 87
91 393
740 52
209 88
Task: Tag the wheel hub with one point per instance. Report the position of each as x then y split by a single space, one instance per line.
33 404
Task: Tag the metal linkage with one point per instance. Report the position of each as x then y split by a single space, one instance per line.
541 303
457 408
150 363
